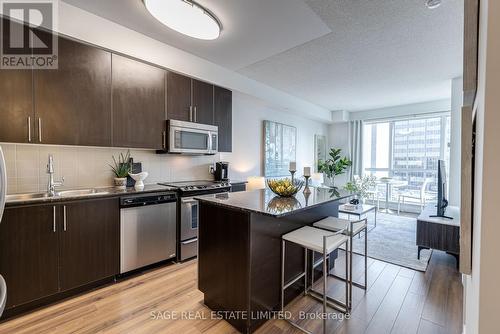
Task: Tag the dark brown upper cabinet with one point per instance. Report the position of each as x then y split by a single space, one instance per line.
138 104
189 99
223 111
16 101
29 253
203 102
179 97
73 103
90 242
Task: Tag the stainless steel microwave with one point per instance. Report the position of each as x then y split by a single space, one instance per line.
192 138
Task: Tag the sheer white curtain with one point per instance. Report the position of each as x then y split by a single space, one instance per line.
356 147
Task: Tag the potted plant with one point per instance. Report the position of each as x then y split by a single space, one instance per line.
121 169
361 186
335 165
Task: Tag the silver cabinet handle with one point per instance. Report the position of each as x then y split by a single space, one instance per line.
54 228
189 241
195 114
29 129
64 218
40 130
190 113
164 139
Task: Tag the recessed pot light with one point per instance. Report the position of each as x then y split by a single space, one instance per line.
186 17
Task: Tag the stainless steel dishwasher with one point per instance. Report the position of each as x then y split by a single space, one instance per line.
148 229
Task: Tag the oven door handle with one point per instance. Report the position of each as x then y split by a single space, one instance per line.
189 241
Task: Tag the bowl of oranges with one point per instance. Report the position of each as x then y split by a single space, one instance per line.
284 187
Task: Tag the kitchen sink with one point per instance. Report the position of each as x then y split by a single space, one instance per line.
82 192
67 193
26 197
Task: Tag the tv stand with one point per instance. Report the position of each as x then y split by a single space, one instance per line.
440 233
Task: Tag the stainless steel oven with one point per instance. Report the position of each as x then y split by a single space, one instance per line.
189 228
188 211
192 138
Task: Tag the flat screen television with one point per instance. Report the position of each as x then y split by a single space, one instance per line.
442 198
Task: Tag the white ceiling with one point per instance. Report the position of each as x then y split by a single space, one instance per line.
252 30
339 54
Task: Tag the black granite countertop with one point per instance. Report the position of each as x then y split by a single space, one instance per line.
101 192
266 202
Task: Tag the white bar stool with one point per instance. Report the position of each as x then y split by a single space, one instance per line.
350 228
321 241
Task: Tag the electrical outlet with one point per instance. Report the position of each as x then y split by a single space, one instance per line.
211 169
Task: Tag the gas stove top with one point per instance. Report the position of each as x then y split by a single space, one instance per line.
190 186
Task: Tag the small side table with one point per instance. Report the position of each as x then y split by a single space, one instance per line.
362 210
439 233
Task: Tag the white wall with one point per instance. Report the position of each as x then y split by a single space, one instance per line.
248 136
455 141
482 293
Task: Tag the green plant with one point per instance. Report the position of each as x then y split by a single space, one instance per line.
122 167
335 165
361 185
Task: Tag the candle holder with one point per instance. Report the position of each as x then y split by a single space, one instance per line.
306 188
293 174
306 196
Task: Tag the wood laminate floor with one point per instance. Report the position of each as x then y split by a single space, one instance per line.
398 300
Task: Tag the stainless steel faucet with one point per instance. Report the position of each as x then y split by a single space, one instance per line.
51 186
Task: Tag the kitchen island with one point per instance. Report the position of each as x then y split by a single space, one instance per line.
239 256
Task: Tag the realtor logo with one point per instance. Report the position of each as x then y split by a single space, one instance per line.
27 40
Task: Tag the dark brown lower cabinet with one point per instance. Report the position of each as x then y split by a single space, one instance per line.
46 250
29 253
90 242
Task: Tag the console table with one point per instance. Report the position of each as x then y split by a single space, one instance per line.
439 233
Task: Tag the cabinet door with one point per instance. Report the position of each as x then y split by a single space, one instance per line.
203 102
29 253
73 103
16 100
90 242
138 104
179 97
223 117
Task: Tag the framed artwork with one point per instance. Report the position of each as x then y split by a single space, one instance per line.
319 150
280 148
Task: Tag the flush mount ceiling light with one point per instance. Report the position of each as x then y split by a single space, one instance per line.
186 17
431 4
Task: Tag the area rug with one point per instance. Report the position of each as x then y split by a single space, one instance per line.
393 241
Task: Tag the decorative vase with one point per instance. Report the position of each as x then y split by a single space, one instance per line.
121 182
139 180
330 181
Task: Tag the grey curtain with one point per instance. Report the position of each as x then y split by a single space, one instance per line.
356 147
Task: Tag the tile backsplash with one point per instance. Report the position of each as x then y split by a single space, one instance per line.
89 166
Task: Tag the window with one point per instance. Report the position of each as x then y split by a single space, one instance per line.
407 149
